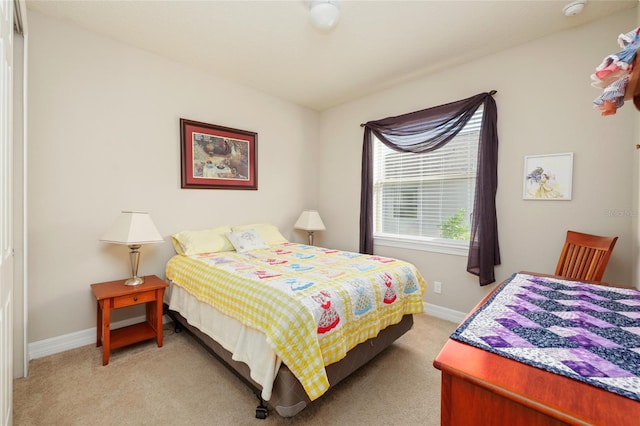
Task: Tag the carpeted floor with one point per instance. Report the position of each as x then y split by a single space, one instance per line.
182 384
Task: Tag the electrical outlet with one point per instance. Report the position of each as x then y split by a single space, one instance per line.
437 287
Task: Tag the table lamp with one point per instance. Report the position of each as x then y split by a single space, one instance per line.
310 221
133 229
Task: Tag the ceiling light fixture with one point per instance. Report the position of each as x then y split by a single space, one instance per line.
574 8
324 14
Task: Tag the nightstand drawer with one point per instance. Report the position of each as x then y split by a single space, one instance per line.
133 299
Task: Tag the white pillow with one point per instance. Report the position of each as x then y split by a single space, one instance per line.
269 233
246 240
202 241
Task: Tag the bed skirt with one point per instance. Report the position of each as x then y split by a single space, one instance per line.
288 397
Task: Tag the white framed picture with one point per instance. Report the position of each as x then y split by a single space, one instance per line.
548 177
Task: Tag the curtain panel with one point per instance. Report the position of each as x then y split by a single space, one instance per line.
425 131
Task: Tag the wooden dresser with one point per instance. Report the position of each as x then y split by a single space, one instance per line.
482 388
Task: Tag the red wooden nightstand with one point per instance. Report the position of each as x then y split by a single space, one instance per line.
114 295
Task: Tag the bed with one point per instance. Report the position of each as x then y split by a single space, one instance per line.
542 350
292 320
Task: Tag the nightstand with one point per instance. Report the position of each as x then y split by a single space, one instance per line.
114 295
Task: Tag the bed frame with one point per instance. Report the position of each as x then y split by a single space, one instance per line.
288 397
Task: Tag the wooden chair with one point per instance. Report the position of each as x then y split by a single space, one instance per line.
584 256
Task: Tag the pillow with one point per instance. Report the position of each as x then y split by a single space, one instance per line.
269 233
246 240
202 241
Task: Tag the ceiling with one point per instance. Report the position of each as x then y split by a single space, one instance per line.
271 45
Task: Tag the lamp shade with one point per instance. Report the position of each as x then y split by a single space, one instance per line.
324 14
132 228
310 220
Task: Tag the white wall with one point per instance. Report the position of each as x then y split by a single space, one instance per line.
544 104
104 137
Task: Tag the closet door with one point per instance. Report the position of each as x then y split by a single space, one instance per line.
6 207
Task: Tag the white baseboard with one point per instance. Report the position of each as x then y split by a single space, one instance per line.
444 313
74 340
77 339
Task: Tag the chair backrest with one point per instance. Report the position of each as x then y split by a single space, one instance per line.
585 256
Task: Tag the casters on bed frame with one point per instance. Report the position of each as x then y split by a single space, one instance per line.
177 327
261 410
261 413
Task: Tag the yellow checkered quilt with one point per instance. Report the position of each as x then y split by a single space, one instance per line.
313 304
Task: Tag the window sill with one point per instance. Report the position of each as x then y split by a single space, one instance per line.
436 245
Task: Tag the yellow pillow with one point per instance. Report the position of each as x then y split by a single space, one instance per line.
269 233
202 241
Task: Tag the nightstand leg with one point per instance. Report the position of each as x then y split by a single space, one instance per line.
99 325
159 322
106 333
158 316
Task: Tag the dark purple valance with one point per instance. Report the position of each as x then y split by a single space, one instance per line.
428 130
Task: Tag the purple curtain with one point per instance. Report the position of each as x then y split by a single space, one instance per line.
428 130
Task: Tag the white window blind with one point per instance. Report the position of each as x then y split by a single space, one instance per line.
427 196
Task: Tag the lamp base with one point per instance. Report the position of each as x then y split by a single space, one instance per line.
134 256
134 281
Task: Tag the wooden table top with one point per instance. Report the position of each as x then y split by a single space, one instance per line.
117 288
558 396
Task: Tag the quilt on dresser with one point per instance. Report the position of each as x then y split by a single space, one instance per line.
313 304
587 332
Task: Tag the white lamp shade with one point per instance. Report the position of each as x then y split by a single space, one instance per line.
132 228
324 14
310 220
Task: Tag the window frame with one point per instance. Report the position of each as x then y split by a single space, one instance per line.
424 243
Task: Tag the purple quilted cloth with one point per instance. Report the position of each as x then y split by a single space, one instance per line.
586 332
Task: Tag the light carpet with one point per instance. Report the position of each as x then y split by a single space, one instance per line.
183 384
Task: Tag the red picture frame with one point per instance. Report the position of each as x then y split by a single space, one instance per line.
217 157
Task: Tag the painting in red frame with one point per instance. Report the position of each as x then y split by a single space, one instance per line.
217 157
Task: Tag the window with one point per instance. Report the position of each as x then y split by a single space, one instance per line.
425 200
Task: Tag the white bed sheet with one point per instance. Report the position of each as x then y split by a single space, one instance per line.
247 345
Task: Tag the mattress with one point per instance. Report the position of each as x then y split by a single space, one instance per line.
312 305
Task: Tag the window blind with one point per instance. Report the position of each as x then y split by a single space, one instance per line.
415 194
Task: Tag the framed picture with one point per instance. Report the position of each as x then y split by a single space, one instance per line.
216 157
548 177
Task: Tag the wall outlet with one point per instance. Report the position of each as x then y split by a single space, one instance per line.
437 287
